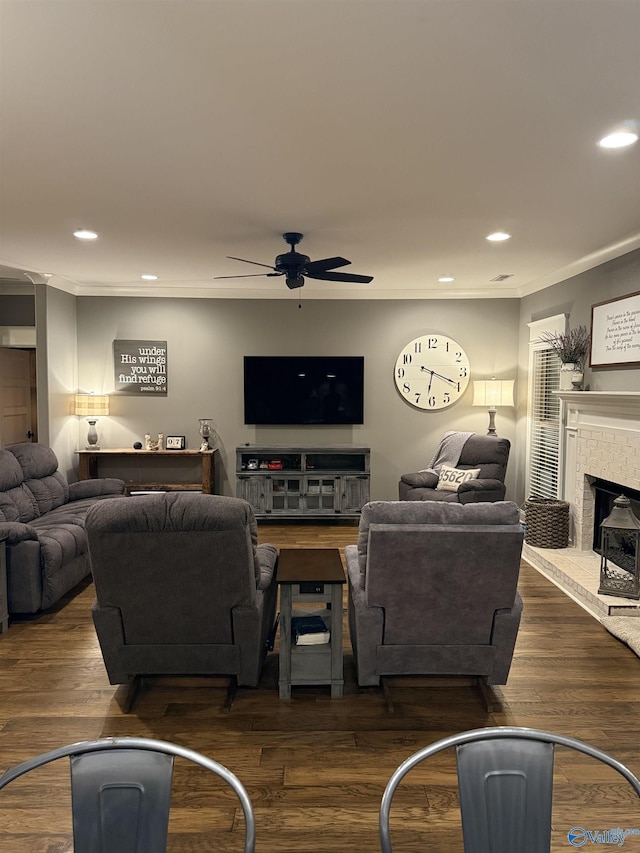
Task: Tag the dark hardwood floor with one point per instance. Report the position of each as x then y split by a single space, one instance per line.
315 768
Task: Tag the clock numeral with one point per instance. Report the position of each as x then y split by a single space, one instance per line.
433 343
447 397
458 356
432 401
417 393
462 371
458 387
406 358
406 388
400 372
417 347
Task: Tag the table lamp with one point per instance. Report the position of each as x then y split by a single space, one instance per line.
92 407
493 393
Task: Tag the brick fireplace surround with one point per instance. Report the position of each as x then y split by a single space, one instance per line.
600 439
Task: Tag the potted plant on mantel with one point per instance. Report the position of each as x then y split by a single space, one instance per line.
572 348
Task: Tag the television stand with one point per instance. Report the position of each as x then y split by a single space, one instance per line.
311 481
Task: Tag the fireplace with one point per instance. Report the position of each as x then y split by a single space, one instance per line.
600 442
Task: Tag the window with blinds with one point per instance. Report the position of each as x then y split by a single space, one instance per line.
544 448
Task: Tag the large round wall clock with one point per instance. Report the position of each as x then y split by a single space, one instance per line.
432 372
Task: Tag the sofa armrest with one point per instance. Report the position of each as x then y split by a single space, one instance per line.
95 488
481 490
421 480
16 531
268 560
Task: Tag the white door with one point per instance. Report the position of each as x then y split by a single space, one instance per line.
17 396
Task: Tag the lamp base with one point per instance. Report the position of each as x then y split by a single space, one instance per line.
492 423
92 435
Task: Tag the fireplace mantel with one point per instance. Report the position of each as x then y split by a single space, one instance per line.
628 401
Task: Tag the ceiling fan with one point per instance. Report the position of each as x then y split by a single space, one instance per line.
295 266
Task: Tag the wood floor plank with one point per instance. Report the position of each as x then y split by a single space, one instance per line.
315 767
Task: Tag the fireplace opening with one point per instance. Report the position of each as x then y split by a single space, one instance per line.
605 494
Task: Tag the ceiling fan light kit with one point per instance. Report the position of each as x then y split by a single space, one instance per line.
296 266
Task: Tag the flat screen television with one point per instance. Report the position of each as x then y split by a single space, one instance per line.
282 390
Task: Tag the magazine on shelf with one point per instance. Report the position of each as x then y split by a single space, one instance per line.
309 631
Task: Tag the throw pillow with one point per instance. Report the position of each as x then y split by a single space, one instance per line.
450 478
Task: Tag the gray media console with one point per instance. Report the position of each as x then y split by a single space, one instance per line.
287 481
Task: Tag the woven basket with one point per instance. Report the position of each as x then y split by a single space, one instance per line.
546 523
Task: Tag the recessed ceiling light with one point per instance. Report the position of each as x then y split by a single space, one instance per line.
498 236
83 234
149 277
446 278
618 139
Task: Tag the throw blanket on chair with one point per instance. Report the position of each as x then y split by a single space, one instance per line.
448 452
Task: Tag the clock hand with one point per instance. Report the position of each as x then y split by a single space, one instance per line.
439 375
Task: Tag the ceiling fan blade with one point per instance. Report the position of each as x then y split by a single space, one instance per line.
245 261
326 264
341 276
249 275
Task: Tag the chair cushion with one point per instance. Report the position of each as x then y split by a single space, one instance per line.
17 502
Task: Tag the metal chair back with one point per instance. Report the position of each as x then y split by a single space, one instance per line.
121 792
505 783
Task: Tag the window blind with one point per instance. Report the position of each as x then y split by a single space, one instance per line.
544 455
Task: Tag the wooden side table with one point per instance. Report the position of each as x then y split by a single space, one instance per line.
148 466
4 601
310 575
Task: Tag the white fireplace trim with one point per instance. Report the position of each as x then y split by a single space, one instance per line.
600 438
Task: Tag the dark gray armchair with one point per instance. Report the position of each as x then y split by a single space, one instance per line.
488 453
433 590
182 588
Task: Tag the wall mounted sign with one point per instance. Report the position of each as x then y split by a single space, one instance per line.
615 332
140 367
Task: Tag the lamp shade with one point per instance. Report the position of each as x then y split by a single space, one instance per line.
493 392
91 405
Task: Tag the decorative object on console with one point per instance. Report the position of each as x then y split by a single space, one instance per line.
432 372
492 393
620 546
153 443
92 407
176 442
137 445
572 348
206 431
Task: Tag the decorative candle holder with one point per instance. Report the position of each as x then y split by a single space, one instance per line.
206 431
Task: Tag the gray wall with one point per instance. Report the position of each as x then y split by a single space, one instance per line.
207 339
574 297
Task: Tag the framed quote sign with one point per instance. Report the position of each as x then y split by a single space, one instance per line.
615 332
140 368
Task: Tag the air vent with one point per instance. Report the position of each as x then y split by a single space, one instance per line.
502 277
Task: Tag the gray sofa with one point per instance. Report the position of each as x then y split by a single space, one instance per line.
489 453
44 515
182 587
433 590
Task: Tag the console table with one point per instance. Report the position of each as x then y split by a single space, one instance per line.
290 481
150 470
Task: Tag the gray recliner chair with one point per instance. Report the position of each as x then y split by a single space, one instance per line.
182 588
471 451
433 590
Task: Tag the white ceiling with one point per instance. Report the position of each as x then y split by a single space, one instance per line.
396 133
